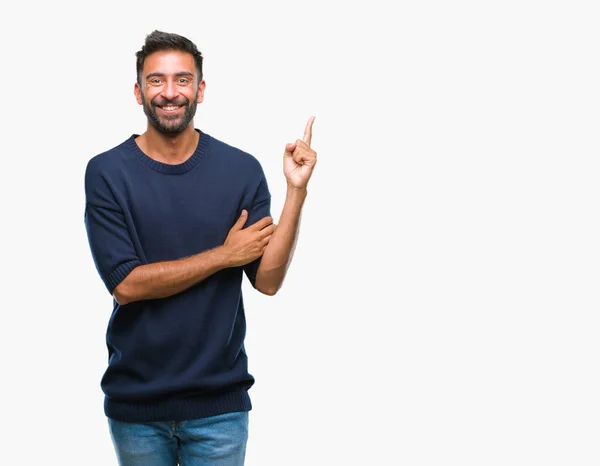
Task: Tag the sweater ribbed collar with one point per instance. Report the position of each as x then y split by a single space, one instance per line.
171 169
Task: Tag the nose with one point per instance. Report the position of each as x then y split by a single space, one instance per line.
170 90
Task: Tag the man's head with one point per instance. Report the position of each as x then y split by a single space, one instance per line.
169 81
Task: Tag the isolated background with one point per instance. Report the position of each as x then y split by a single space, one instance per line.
442 307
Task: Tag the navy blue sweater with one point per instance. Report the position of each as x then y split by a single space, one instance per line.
180 357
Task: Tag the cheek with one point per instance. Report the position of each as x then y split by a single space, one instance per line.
191 96
149 97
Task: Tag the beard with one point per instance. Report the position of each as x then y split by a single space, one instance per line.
170 124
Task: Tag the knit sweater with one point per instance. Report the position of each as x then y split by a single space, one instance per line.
180 357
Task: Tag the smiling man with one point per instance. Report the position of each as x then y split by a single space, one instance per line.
175 218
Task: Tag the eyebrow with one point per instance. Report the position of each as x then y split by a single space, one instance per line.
162 75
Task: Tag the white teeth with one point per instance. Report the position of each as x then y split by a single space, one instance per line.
168 109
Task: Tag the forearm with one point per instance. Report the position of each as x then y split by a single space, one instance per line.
163 279
278 255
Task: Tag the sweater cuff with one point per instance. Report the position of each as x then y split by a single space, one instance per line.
119 274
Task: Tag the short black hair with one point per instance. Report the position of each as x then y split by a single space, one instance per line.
158 41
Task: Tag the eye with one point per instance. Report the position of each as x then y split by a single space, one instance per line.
183 80
155 81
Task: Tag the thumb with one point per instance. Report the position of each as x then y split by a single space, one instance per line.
289 148
241 221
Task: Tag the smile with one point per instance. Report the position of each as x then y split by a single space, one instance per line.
170 108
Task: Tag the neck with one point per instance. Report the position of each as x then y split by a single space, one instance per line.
169 148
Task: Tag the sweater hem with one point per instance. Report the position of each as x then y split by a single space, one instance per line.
178 409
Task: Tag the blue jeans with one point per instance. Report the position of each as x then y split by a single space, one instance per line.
212 441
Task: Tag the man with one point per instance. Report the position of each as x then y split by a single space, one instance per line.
174 219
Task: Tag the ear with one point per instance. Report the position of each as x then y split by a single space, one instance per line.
138 93
201 88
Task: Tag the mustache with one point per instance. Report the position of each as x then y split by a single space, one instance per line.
161 102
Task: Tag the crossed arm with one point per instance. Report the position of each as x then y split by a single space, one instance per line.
242 246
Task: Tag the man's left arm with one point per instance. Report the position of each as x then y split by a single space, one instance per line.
298 163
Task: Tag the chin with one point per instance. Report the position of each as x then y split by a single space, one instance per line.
170 128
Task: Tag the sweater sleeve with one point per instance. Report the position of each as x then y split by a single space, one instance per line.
261 207
108 235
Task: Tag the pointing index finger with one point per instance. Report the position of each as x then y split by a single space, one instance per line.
308 131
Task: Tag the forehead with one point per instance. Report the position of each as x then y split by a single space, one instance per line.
169 62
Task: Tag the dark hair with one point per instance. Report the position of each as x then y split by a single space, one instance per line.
158 41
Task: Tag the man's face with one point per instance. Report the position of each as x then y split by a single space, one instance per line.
169 90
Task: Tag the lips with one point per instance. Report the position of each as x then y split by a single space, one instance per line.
169 109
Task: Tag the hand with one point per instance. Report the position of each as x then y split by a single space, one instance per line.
299 159
245 245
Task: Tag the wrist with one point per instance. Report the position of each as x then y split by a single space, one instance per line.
223 257
295 192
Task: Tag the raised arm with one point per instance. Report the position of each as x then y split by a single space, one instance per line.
298 163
